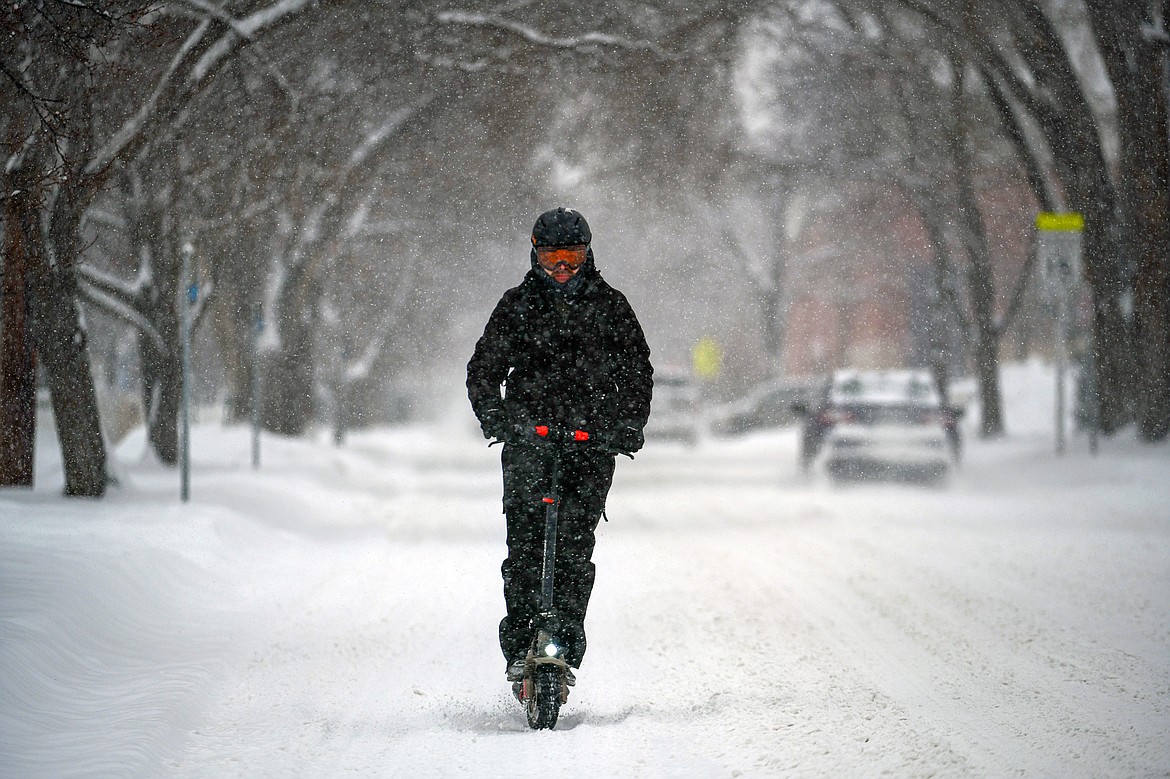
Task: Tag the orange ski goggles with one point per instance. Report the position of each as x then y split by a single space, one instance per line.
572 257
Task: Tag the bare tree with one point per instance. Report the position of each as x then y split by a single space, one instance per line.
938 115
48 181
71 151
471 60
307 244
1020 46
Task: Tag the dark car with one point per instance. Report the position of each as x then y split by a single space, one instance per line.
767 405
674 410
880 423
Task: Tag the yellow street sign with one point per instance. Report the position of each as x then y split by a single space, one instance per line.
707 358
1049 221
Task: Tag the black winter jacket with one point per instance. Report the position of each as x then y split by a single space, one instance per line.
576 359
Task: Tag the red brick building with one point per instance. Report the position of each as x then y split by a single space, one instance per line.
864 281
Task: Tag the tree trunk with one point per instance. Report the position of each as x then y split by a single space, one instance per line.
987 374
287 397
59 339
151 237
980 282
1135 66
61 344
986 351
1112 343
773 328
162 389
288 380
1150 173
17 360
235 332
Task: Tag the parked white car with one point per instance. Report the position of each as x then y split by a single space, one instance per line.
882 423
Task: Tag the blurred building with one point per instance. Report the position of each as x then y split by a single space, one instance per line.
865 284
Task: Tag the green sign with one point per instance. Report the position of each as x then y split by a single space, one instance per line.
1049 221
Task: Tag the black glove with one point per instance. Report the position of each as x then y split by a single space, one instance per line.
627 438
496 424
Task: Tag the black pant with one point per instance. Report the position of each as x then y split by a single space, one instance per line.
585 480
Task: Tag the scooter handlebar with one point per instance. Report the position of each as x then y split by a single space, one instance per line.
564 436
561 435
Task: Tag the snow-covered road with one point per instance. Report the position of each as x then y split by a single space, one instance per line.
335 613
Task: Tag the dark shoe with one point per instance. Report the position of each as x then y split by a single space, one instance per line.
570 679
515 670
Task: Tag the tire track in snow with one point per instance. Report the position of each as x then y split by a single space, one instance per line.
757 681
975 665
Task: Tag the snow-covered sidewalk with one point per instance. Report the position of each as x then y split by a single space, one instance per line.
335 613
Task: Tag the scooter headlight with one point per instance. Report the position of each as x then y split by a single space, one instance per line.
551 649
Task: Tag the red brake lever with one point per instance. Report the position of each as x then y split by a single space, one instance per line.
580 435
542 431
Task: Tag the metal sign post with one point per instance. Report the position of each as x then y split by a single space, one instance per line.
256 331
1058 251
189 293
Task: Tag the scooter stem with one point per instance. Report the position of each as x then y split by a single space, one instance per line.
552 506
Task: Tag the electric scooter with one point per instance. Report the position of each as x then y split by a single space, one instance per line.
544 686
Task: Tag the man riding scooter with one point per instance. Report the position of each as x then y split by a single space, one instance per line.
569 353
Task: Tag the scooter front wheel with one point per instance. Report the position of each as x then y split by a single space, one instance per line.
543 702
